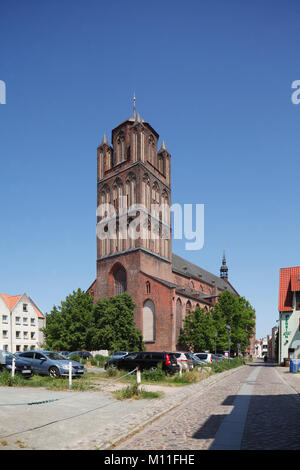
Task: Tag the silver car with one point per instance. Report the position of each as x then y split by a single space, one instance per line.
51 363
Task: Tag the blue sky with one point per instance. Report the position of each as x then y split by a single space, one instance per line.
212 77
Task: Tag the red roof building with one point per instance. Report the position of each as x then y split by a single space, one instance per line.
289 312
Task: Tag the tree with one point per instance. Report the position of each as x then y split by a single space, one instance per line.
239 315
114 325
70 326
200 327
198 331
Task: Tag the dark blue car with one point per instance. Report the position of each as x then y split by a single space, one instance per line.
51 363
22 367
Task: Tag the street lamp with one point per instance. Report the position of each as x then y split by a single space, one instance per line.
228 328
215 335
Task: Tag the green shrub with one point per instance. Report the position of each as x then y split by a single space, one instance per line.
112 371
186 378
154 375
136 392
98 360
7 380
221 366
74 357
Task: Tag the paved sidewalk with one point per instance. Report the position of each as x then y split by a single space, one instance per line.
83 420
273 421
258 408
116 431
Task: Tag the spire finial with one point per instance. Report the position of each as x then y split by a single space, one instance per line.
104 140
134 98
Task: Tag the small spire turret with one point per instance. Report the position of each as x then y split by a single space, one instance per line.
224 268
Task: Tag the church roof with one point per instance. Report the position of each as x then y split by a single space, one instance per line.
186 268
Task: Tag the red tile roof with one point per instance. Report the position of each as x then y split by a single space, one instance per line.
288 283
12 300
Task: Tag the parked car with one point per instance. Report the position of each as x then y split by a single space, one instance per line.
196 361
184 360
218 357
51 363
81 354
206 357
118 354
64 353
22 367
145 360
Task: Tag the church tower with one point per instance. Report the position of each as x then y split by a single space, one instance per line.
133 201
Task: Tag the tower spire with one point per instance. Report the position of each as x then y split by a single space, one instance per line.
224 268
134 98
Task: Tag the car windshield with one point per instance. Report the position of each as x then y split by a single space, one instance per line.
55 356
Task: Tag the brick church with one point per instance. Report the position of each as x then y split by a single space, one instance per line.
164 286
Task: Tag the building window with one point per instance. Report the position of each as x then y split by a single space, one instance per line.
149 321
120 281
32 321
25 334
32 335
25 308
178 317
18 334
148 287
4 334
4 319
25 321
188 307
18 348
18 320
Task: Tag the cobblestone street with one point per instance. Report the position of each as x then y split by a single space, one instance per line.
253 407
246 410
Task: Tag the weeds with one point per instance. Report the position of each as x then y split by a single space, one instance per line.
135 392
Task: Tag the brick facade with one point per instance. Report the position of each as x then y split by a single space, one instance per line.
163 286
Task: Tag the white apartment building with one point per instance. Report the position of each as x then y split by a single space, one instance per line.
265 346
20 323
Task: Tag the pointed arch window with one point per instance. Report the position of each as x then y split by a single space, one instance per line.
120 280
149 321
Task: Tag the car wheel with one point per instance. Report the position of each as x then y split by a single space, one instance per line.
54 372
153 368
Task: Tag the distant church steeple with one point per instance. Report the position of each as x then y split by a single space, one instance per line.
224 268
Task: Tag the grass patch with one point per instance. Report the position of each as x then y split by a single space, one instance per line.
98 360
134 392
221 366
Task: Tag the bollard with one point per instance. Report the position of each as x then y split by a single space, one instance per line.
180 370
70 374
13 367
138 377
